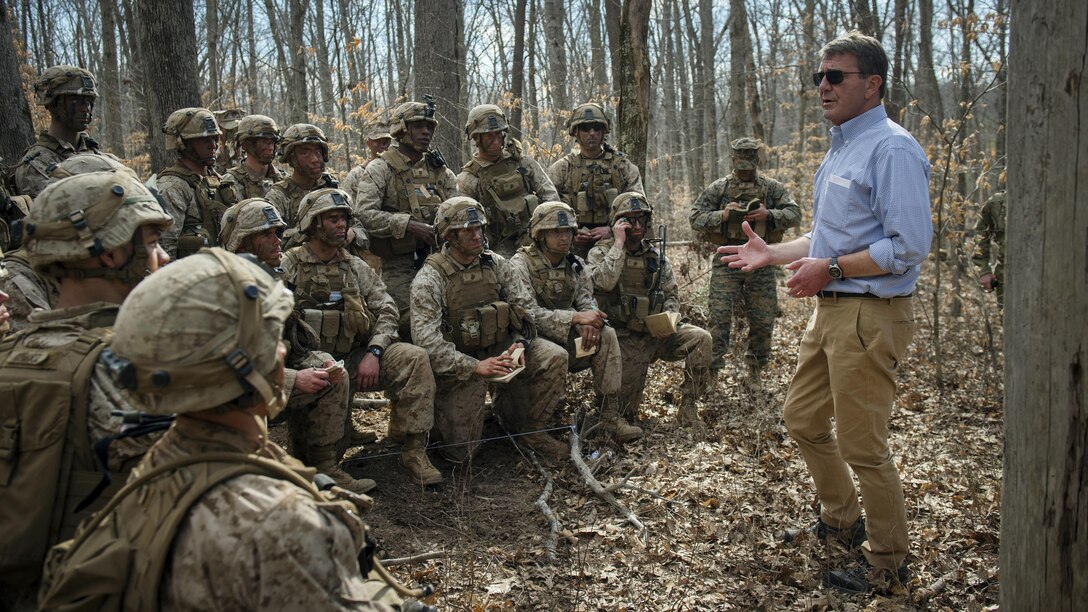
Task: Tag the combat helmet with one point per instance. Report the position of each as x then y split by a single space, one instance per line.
321 201
590 112
188 123
82 163
257 126
745 153
246 218
61 80
378 130
552 215
229 118
80 217
202 333
302 133
629 202
458 213
408 112
485 118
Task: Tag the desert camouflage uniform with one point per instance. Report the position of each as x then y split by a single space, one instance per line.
607 262
353 179
186 206
506 231
611 171
256 542
381 211
26 289
34 170
405 375
553 319
244 185
758 289
286 196
459 401
989 255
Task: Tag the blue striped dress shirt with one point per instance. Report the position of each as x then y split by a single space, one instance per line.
872 191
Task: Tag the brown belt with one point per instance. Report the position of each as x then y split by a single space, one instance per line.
840 295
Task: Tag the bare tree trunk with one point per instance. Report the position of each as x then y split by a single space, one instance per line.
751 77
738 85
251 64
211 17
966 178
351 45
866 18
111 81
597 50
534 114
440 69
281 44
297 86
633 110
46 35
929 92
691 154
1002 105
555 36
16 127
1044 534
897 95
668 101
167 39
324 71
517 70
613 10
708 86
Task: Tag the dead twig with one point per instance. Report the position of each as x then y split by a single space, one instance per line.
598 488
434 554
542 504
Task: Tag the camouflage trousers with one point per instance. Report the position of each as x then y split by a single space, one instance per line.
397 272
317 419
759 290
405 377
526 402
690 343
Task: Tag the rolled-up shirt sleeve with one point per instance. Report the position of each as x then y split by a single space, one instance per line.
901 184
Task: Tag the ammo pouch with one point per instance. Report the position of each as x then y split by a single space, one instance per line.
591 209
329 325
484 326
191 243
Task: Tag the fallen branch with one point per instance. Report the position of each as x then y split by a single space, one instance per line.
542 504
595 485
367 403
436 554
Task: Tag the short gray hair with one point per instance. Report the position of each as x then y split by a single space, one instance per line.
872 59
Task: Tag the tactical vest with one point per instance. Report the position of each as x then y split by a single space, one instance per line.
554 287
476 313
116 561
319 290
419 192
248 187
592 185
744 192
213 197
633 298
506 190
46 462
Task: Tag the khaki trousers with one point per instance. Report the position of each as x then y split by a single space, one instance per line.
846 370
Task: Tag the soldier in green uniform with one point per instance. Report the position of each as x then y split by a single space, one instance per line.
255 173
632 283
508 183
989 255
590 179
69 94
192 191
716 216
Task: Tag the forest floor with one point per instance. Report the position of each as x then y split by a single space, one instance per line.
714 508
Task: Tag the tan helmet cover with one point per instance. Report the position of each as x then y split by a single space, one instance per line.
202 332
486 118
257 126
745 153
246 218
629 202
228 118
302 133
315 203
82 163
552 215
458 213
378 131
590 112
189 123
406 113
61 80
79 217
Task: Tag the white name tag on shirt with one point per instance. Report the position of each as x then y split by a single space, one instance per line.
838 180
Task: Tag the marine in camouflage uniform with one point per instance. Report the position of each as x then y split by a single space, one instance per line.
255 173
590 179
399 195
565 310
229 155
98 232
345 302
378 140
989 255
633 282
470 313
192 191
508 183
716 216
69 94
249 530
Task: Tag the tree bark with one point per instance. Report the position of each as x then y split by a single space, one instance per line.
601 86
517 70
167 40
297 86
110 81
1044 530
897 96
633 110
324 70
211 19
738 85
16 127
440 69
929 92
554 37
709 86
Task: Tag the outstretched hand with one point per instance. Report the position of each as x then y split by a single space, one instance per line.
749 256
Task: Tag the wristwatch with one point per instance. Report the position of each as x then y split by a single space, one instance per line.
376 351
833 269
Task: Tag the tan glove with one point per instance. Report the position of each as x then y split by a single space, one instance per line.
357 320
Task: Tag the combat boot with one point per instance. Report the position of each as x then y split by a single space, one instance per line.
614 425
360 437
546 445
327 461
755 379
414 461
688 416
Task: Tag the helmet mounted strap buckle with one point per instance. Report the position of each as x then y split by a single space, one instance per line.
86 237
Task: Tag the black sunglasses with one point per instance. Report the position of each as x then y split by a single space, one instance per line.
833 76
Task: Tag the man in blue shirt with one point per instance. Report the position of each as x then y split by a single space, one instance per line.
871 232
